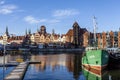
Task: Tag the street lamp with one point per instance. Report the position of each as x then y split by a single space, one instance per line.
4 61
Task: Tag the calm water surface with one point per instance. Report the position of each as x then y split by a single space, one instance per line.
62 66
7 70
55 67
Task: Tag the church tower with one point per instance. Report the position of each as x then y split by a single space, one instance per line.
5 36
53 31
76 34
26 33
7 33
29 32
43 30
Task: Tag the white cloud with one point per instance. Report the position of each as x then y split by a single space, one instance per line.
32 20
2 2
7 9
54 21
42 20
65 12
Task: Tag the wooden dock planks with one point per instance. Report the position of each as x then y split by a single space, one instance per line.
19 71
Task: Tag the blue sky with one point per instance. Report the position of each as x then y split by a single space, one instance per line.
59 15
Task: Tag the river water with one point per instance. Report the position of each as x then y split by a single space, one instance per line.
61 66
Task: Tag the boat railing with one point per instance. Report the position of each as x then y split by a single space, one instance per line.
113 50
91 48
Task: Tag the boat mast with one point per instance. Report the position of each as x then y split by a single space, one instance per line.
95 26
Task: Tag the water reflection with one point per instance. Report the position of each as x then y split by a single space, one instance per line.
114 74
9 58
7 71
77 66
62 66
56 66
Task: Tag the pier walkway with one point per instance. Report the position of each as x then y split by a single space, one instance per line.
9 64
19 71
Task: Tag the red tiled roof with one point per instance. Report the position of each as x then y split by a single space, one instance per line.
15 38
63 35
1 37
56 36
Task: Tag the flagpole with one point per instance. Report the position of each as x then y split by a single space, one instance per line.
95 25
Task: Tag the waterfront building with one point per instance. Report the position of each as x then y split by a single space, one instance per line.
111 39
86 39
10 38
16 39
5 38
32 38
103 40
63 38
119 39
76 35
74 38
99 40
41 36
106 39
69 36
115 39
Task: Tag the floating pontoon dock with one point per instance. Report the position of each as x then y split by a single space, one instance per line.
19 71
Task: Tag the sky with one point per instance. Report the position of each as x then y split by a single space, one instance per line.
19 15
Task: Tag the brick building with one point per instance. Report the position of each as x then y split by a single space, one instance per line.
119 39
76 35
111 38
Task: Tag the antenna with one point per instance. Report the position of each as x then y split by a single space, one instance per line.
95 26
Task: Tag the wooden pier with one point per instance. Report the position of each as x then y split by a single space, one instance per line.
19 71
9 64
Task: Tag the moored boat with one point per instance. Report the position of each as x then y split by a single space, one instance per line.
93 75
114 55
95 59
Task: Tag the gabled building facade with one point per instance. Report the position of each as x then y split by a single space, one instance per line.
7 39
41 36
76 36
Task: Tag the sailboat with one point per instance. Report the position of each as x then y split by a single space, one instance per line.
94 58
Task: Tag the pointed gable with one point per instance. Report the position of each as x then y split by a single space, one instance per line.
70 32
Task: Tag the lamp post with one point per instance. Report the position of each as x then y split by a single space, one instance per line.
4 62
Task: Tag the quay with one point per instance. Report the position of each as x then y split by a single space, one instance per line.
60 50
9 64
19 71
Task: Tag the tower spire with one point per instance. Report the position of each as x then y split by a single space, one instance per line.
26 32
53 31
37 30
7 33
29 31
